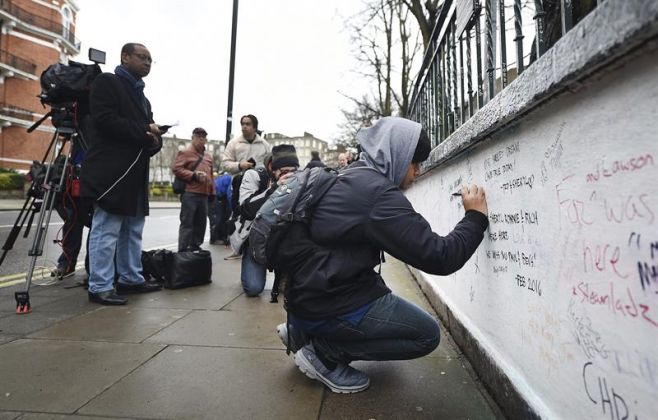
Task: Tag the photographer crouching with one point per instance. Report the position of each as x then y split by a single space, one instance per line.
122 137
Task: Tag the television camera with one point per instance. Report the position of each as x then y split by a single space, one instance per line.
65 88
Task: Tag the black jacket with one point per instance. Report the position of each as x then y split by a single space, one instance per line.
116 133
331 264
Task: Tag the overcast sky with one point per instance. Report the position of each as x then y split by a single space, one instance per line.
293 57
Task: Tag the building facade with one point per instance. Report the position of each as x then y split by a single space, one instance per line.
33 35
304 144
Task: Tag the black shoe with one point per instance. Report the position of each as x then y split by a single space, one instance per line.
145 287
107 298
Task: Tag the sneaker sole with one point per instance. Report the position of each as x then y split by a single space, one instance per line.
307 368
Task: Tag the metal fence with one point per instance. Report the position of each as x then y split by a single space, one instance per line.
29 18
18 63
477 48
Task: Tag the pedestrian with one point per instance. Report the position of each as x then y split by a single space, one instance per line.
315 161
339 308
223 192
122 137
243 152
342 160
253 193
194 166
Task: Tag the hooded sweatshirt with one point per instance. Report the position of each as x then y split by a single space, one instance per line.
332 263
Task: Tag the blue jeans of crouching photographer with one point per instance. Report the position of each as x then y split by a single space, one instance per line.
390 328
252 274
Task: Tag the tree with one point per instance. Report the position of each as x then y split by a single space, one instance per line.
387 42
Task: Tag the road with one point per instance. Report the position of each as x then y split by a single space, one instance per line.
160 231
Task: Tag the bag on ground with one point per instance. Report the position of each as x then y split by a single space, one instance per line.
188 268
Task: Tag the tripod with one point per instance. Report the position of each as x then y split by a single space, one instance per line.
43 192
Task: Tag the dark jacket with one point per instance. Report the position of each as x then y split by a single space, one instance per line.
116 133
331 264
315 163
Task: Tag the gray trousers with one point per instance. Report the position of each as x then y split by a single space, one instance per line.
193 214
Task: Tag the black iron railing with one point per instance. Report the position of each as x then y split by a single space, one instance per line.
31 19
17 62
16 112
467 62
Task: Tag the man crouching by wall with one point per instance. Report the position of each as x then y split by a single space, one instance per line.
339 309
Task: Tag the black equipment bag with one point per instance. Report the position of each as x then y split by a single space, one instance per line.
154 264
67 83
188 268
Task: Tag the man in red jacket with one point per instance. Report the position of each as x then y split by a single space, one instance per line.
194 165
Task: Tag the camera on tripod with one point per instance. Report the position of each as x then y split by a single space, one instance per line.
65 88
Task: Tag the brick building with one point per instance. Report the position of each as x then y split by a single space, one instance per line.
33 35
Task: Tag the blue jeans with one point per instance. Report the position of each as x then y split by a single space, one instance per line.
391 329
114 238
252 274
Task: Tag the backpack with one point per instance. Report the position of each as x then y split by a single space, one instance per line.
290 203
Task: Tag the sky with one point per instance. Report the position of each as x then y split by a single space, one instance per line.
293 59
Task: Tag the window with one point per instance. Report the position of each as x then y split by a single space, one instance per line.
67 18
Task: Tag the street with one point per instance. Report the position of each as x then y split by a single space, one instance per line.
160 231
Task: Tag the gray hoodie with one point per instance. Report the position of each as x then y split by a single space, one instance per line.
389 145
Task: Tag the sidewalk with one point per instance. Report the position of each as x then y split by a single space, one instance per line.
16 205
206 352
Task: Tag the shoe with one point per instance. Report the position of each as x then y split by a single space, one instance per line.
107 298
62 272
342 380
145 287
233 257
297 339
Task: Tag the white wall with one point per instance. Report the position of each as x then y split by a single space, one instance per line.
554 294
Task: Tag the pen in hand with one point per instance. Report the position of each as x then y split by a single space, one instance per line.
457 194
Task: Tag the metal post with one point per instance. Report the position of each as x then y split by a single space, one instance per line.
518 25
503 46
469 64
478 51
491 58
231 73
566 7
539 24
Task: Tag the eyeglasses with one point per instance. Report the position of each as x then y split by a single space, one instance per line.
145 58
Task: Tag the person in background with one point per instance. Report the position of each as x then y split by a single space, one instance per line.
342 160
194 166
244 151
223 192
253 193
315 161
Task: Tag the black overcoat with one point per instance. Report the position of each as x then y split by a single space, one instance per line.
115 170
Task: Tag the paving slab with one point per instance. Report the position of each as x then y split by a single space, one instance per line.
416 389
6 338
29 323
7 415
125 324
210 296
222 329
212 383
61 376
49 416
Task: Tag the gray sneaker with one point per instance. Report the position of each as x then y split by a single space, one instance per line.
343 380
297 339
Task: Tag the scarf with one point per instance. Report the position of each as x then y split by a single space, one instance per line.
137 85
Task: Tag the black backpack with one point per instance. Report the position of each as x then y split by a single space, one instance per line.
292 202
